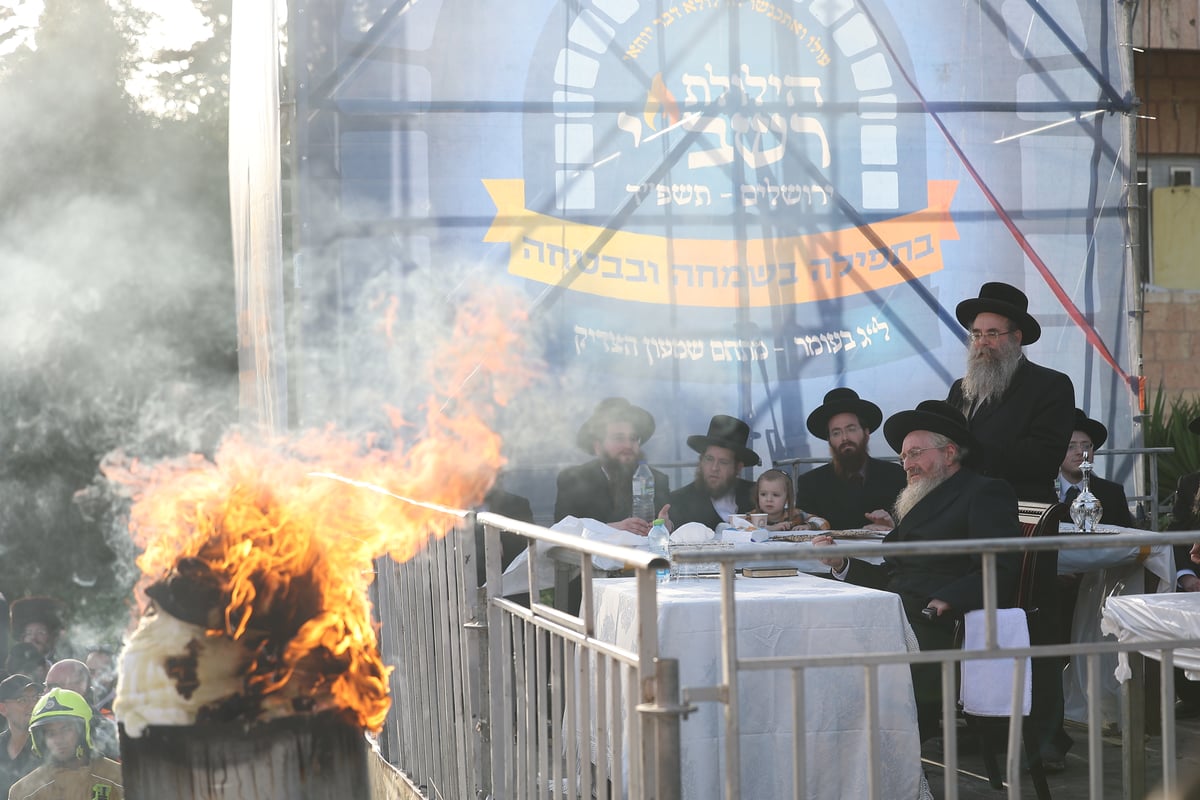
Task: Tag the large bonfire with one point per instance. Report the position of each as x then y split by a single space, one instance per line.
256 564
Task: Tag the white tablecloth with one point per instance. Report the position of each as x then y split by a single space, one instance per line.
799 615
1106 571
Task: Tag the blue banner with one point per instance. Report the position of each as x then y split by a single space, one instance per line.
724 206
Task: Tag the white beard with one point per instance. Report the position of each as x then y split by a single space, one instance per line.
914 493
987 378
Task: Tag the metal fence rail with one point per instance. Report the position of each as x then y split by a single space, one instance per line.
516 698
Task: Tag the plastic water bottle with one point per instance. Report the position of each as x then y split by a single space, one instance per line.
643 492
660 545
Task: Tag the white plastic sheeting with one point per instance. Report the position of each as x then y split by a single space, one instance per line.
1155 617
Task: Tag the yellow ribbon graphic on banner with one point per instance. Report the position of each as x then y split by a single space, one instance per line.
719 273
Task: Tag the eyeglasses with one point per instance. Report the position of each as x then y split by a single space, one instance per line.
1075 447
709 461
622 438
991 336
916 451
849 430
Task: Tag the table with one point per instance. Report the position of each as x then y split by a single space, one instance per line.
800 615
1151 617
1117 570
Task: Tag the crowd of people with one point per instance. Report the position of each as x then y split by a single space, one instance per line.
59 740
1008 431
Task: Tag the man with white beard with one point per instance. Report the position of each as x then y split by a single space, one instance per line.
1021 414
943 500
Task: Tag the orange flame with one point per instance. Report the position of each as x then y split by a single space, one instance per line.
294 550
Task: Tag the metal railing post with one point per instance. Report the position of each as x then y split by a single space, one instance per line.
667 715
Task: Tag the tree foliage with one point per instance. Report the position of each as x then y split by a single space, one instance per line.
119 316
1167 426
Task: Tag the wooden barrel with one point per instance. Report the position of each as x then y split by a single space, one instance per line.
302 757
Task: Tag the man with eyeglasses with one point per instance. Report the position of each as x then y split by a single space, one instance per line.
602 489
717 490
942 500
1020 413
854 490
1088 435
18 695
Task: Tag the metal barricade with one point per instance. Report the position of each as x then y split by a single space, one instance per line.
511 697
499 697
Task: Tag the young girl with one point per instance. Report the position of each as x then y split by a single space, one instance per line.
773 494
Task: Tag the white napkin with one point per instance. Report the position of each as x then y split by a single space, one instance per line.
987 685
515 578
693 533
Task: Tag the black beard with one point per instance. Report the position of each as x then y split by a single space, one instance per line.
847 464
617 471
714 493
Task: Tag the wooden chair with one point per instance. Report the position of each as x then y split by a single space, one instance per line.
1037 594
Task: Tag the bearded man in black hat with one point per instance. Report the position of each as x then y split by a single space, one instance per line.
1021 414
602 489
717 490
855 490
943 500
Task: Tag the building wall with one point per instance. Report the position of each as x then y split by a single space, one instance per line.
1167 80
1170 24
1171 340
1168 83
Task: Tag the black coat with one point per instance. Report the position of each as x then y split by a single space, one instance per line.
1113 501
692 504
1023 438
966 505
844 504
513 506
583 492
1183 518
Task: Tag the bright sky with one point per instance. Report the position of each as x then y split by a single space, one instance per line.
25 16
174 24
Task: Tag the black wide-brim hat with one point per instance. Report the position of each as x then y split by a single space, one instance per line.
46 610
728 432
614 409
843 401
1005 300
936 416
1095 431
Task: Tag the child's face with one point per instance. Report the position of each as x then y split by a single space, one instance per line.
772 496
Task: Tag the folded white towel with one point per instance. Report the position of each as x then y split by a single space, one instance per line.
987 685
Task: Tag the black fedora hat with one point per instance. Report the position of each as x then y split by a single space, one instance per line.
1095 431
1005 300
728 432
936 416
843 401
614 409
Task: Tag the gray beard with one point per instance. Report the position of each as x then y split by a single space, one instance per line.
988 379
914 493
